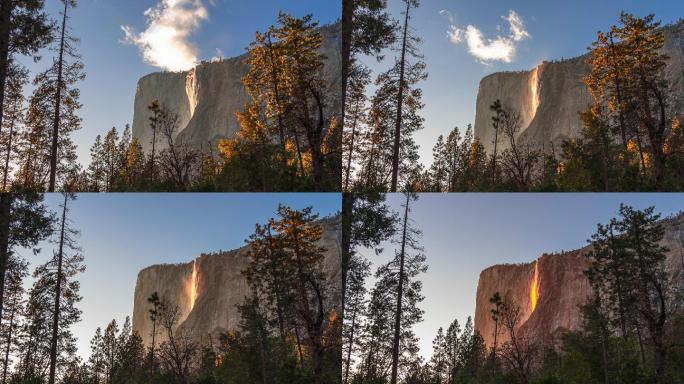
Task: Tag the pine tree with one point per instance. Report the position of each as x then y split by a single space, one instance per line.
354 309
376 336
439 359
402 67
367 28
130 364
305 85
300 236
628 266
13 119
24 222
452 339
269 273
38 156
355 116
155 121
96 168
496 312
24 29
438 176
97 357
399 277
13 311
155 314
367 221
60 67
59 275
378 158
254 324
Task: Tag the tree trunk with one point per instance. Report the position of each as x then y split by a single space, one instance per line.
604 356
400 292
400 103
58 295
277 289
299 345
58 104
347 32
276 94
347 212
9 341
6 7
641 345
9 151
351 148
351 342
5 211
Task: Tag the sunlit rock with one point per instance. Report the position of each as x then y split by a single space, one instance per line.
208 289
550 290
207 97
550 97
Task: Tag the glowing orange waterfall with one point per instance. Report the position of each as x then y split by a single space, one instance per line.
191 285
534 287
534 90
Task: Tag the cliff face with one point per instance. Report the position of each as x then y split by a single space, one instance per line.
559 286
550 96
208 289
207 97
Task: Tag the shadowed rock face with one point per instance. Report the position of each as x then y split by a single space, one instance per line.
209 289
562 288
550 96
207 97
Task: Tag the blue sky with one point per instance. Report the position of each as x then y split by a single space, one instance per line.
124 233
556 29
466 233
113 68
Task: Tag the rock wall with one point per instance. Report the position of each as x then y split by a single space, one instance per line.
550 96
208 289
561 288
207 97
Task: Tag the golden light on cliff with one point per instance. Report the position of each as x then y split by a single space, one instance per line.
534 89
534 287
191 285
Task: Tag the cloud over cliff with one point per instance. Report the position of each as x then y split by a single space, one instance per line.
501 48
165 43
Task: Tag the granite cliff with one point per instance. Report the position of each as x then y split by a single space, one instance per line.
207 96
209 288
550 290
550 96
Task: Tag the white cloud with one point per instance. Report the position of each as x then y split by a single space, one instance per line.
501 48
165 43
218 56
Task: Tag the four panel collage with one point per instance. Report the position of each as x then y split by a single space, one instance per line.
341 192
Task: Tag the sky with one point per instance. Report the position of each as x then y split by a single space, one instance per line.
466 233
193 28
539 30
124 233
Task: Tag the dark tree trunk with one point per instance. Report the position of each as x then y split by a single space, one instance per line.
5 211
351 342
8 341
6 7
9 151
400 293
347 208
276 93
58 296
400 103
58 104
351 148
347 31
